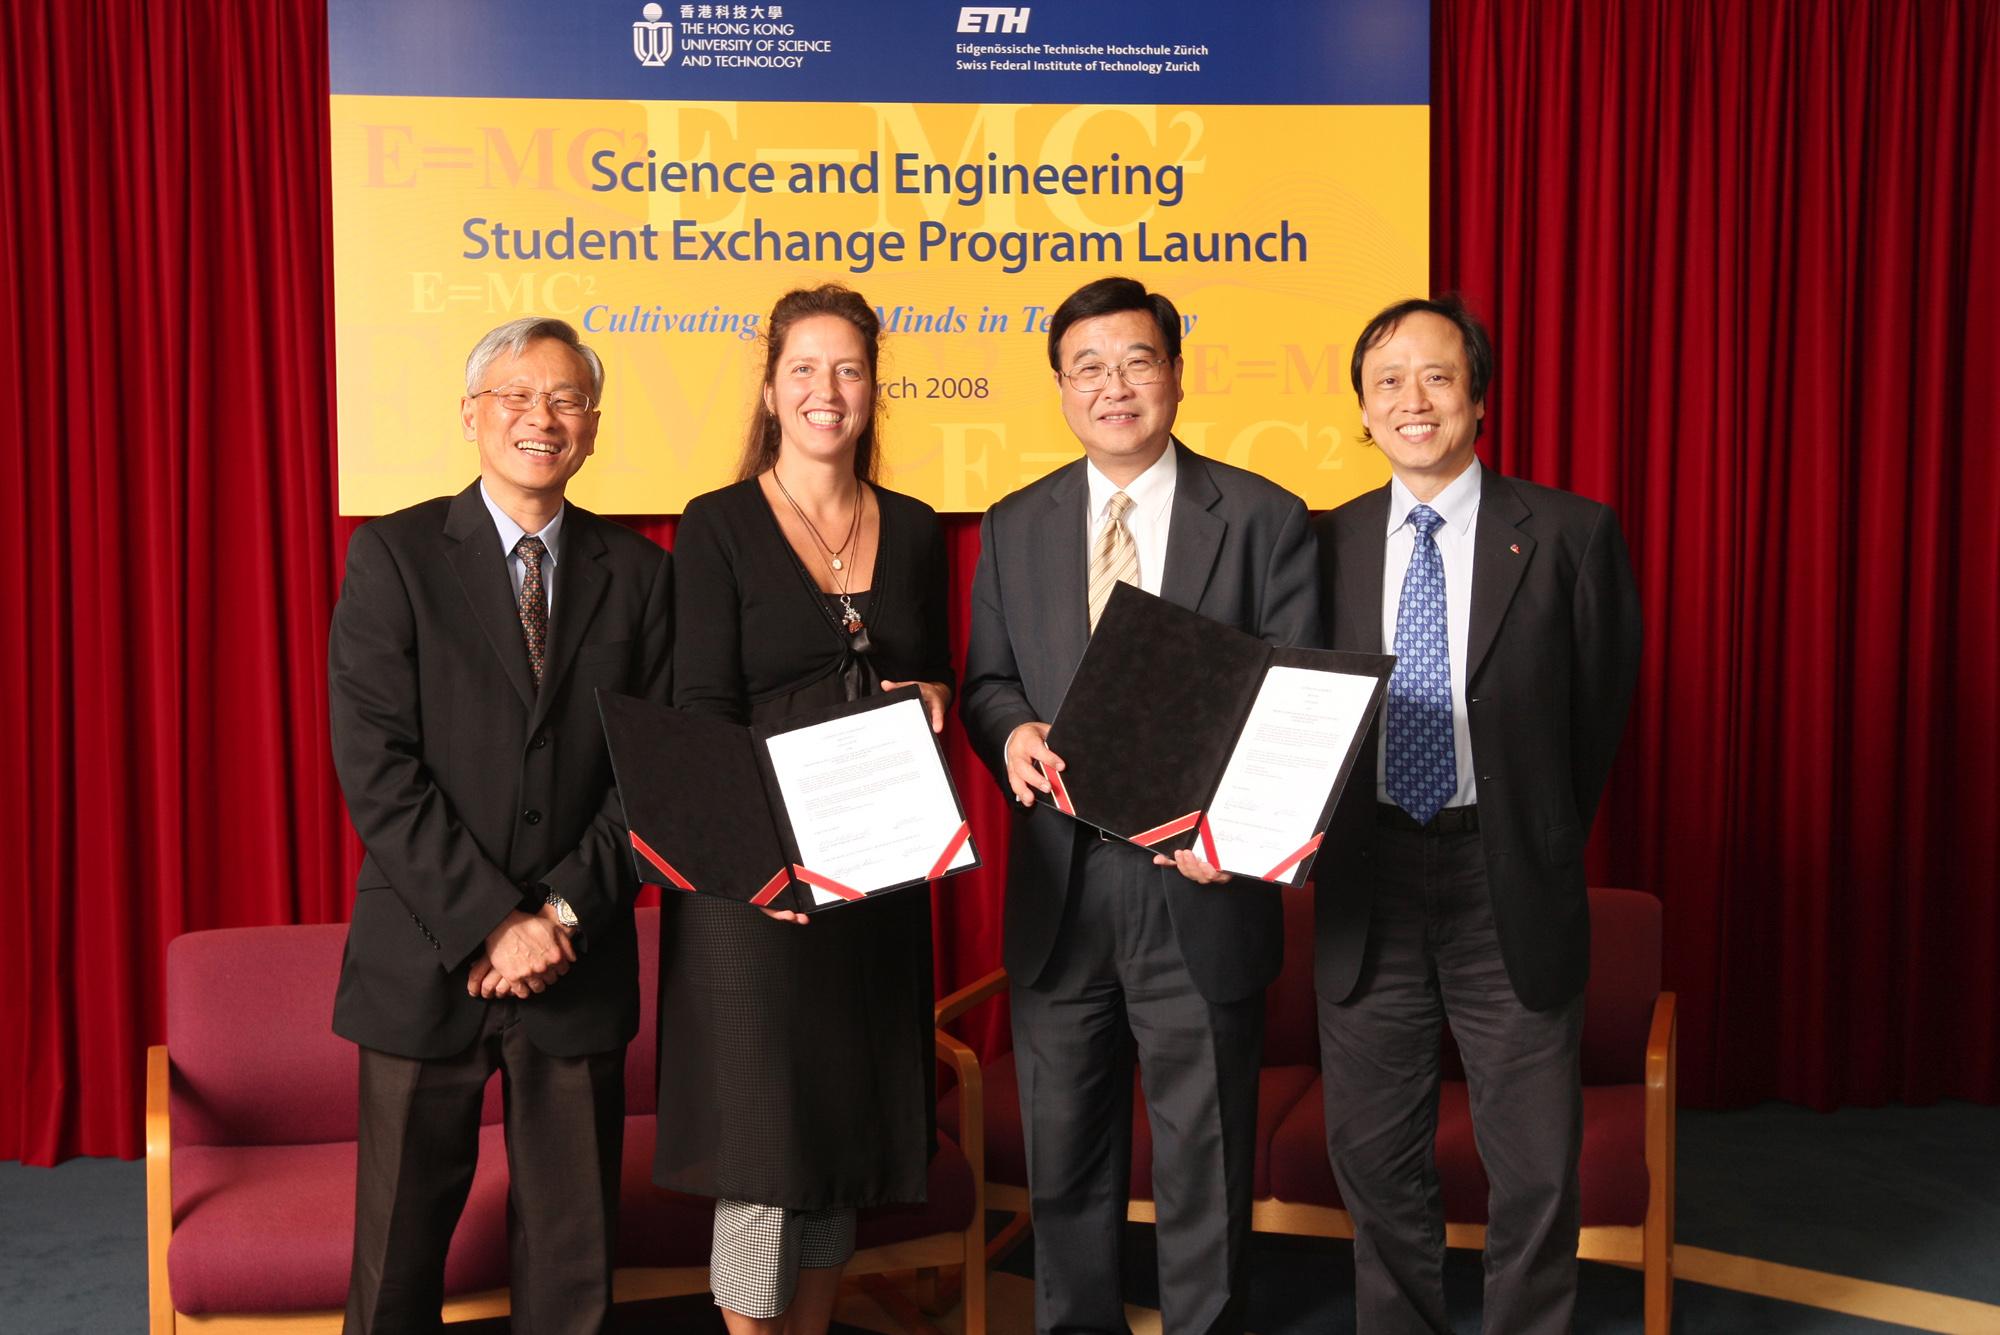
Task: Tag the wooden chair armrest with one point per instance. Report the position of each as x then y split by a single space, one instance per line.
971 1112
1662 1042
1662 1094
970 1285
963 1000
159 1193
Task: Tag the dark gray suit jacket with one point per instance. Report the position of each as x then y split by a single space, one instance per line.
464 781
1552 655
1239 551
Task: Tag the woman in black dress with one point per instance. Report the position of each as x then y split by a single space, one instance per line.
795 1054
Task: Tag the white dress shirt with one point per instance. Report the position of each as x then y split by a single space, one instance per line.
1151 515
1458 506
512 533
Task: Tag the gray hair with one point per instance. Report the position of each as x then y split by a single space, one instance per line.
513 339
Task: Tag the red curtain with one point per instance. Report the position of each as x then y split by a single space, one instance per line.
169 509
1738 257
1729 253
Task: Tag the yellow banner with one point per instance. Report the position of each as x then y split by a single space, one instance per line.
665 230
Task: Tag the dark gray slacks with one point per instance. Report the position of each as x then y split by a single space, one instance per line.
1117 988
1434 955
419 1143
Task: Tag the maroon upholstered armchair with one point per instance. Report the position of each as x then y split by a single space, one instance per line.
1628 1109
250 1149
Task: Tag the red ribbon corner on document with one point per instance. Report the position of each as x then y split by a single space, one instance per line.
1060 793
771 888
943 864
1305 850
665 867
1178 825
1208 844
826 883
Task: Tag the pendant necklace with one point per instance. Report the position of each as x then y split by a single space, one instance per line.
832 553
850 615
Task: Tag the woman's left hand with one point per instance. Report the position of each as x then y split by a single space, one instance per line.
937 698
1191 865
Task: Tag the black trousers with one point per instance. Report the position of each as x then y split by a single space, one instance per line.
1118 988
565 1121
1433 955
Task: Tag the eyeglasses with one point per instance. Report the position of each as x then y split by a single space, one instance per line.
519 398
1091 376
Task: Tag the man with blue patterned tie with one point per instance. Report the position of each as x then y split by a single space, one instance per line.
1452 885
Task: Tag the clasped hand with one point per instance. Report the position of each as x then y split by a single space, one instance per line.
525 955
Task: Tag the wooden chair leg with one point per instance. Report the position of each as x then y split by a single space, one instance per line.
1659 1294
937 1288
161 1317
1662 1110
975 1298
1007 1239
898 1305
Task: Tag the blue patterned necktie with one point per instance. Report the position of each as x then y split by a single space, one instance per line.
1421 769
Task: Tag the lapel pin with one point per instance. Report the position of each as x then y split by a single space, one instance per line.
1514 547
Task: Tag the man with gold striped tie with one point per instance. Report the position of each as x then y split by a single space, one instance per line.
1115 954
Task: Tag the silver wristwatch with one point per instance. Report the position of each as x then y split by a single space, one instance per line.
564 913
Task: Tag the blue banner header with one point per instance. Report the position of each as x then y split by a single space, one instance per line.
1297 52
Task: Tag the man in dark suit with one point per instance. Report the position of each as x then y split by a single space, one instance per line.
1111 955
493 914
1451 883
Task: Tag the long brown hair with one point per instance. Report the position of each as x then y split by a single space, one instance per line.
760 448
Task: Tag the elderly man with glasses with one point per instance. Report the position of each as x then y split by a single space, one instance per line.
1113 953
492 922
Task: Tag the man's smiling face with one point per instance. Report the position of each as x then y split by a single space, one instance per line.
1123 427
1416 401
534 452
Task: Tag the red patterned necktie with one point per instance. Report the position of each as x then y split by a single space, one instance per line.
534 602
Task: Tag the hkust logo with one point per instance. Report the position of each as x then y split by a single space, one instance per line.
993 18
652 38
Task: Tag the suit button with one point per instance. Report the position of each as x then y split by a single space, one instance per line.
541 740
532 816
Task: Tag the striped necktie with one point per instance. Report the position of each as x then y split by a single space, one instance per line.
1115 559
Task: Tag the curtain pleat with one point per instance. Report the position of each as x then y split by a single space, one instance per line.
1737 259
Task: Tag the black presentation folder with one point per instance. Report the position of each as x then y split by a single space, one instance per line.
705 814
1154 714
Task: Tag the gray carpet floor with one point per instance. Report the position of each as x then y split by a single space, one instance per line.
1899 1196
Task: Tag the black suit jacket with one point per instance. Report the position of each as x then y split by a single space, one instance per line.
464 781
1552 654
1239 551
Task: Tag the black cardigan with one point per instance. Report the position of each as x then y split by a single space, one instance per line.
751 624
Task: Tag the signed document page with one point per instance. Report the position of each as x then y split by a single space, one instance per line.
1282 773
870 802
